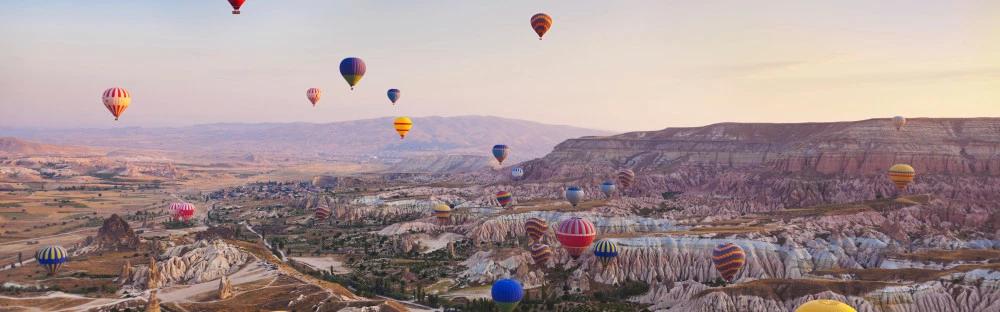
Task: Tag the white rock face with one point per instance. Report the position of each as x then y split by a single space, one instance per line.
195 263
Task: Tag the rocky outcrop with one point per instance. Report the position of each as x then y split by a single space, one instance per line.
153 276
153 304
125 274
199 262
225 288
115 234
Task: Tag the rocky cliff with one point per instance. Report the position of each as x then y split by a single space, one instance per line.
116 234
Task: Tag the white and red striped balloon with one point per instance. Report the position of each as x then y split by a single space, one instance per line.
576 234
313 94
116 100
181 211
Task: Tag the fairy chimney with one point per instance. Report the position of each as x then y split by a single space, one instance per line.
225 288
153 305
126 273
153 277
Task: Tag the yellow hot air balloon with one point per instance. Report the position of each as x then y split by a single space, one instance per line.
403 125
443 213
902 175
825 306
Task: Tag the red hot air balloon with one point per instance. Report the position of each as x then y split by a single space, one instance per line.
576 234
536 228
322 212
236 5
116 100
728 259
181 211
313 94
541 23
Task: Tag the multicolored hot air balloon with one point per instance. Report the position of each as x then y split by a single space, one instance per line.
181 211
728 259
823 305
536 228
517 172
574 194
605 251
236 5
443 213
576 234
541 23
507 293
116 100
626 177
393 95
352 69
901 175
313 94
403 126
540 253
323 211
608 187
899 122
52 258
505 198
500 152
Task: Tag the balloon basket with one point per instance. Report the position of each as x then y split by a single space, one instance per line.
236 12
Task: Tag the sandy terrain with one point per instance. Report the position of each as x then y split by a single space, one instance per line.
324 263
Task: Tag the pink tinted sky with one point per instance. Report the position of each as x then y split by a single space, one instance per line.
618 65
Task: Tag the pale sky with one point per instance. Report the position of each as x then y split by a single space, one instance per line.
615 65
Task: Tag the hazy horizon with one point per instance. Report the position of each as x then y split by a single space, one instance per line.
642 65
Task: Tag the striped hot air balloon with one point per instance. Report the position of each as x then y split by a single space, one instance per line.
313 94
728 259
605 251
536 228
507 293
323 211
576 234
116 100
52 258
394 95
608 187
403 126
626 177
500 152
899 122
823 305
540 253
505 198
901 175
541 23
352 69
443 213
517 172
574 194
181 211
236 5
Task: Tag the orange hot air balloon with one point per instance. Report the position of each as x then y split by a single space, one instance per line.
116 100
403 125
541 23
313 94
901 175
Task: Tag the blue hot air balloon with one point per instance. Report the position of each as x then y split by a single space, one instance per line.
605 251
393 95
500 152
608 187
52 258
507 293
517 172
352 69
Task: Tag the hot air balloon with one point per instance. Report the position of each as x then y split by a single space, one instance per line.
728 259
507 293
899 122
541 23
536 228
403 125
393 95
181 211
626 177
823 305
500 152
322 211
52 258
605 251
504 198
608 187
517 172
540 253
443 213
576 234
236 5
313 95
352 69
116 100
573 195
902 175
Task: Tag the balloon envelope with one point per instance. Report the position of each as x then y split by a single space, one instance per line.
576 234
393 95
573 195
540 253
823 305
507 293
899 122
517 172
536 228
500 152
626 177
901 175
313 94
505 198
352 69
51 258
728 259
403 126
541 23
181 211
116 100
608 187
442 212
605 251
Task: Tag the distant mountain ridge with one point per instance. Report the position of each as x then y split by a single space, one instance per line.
15 146
358 139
